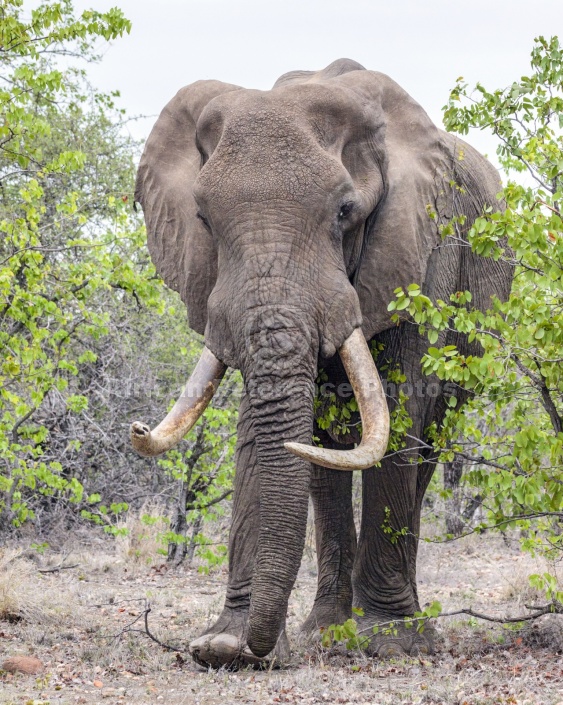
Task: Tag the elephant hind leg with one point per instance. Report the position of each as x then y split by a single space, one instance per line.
335 535
384 576
394 639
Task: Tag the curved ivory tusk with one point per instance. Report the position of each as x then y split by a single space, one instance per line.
372 404
199 391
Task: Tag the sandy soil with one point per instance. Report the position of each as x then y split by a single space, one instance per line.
86 624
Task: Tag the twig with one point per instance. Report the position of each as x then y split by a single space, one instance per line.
146 631
538 380
480 528
57 568
119 602
19 422
151 636
543 607
216 500
551 608
543 203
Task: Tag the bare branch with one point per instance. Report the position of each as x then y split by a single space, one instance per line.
56 569
19 422
146 631
551 608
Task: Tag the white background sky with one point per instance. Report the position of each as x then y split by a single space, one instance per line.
424 46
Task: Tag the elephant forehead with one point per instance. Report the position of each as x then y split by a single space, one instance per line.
267 136
305 104
260 160
286 143
324 113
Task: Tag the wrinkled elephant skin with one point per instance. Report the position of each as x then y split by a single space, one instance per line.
286 219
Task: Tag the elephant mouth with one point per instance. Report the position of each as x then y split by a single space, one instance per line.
207 376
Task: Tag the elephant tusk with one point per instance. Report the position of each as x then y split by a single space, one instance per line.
199 391
374 412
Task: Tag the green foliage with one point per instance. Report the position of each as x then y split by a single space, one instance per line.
40 547
548 583
354 638
204 475
88 334
207 467
339 412
69 241
399 420
510 433
107 517
214 557
393 534
346 633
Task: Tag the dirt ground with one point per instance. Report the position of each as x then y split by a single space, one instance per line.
86 624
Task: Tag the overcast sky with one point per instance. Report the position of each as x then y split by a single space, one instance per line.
424 46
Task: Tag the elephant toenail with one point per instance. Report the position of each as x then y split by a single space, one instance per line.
390 651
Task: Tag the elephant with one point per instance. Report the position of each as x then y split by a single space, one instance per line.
286 219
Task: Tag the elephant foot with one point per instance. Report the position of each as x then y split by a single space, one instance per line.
396 639
324 613
224 645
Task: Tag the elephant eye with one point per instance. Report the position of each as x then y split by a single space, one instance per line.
204 220
345 210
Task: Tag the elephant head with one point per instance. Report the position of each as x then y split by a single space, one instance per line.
285 219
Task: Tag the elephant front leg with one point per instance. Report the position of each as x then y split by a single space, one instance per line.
224 643
384 581
335 535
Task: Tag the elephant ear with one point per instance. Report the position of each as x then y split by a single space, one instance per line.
410 153
180 246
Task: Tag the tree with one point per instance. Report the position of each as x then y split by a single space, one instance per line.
509 434
89 337
66 235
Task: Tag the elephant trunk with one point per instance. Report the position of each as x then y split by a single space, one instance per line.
285 412
279 371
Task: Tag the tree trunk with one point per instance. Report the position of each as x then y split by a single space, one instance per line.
177 551
190 548
452 476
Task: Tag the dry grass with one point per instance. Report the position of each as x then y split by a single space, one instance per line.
142 545
14 574
26 596
94 654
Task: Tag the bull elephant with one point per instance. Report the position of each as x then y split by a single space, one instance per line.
285 219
